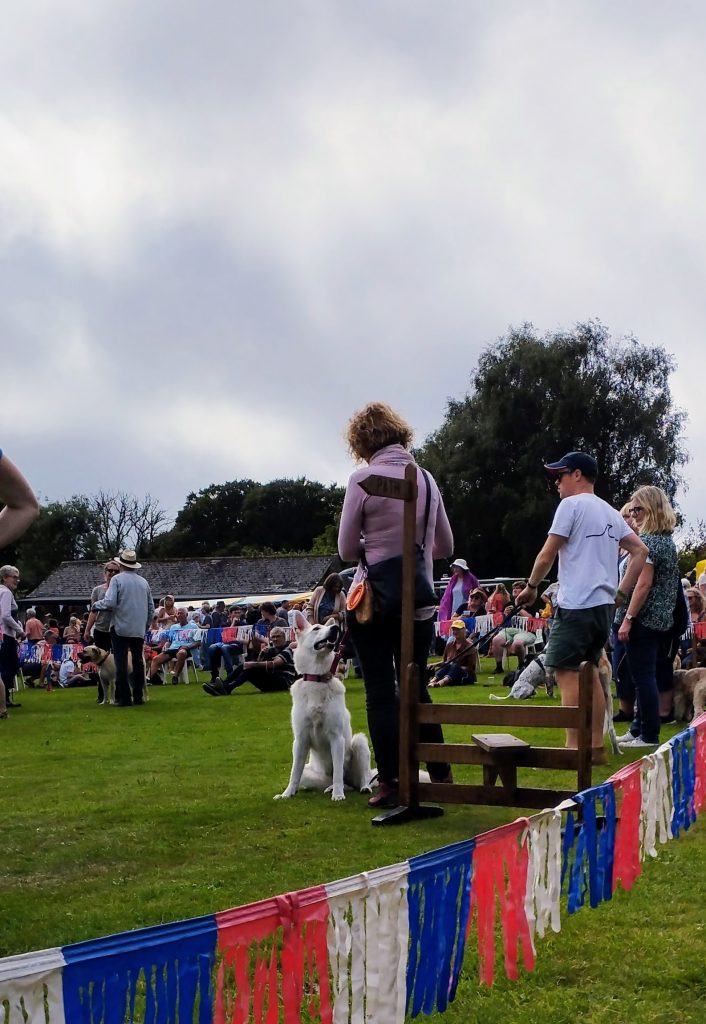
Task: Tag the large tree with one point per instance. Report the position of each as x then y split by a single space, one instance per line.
242 516
531 400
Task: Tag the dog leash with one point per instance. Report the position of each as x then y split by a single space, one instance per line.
486 636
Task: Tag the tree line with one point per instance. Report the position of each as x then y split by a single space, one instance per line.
530 399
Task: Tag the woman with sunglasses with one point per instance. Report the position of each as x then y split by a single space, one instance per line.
697 613
645 621
97 629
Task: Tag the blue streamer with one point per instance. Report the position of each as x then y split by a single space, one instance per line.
439 900
174 962
683 780
590 869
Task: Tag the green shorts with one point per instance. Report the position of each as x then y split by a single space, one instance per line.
578 634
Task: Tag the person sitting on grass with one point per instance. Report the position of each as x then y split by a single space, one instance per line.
181 640
273 670
460 662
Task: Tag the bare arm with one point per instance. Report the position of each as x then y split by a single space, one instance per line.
638 556
542 564
90 623
21 506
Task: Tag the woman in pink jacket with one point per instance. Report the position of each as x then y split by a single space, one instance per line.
379 437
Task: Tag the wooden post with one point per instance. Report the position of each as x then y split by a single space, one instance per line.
585 729
405 490
409 681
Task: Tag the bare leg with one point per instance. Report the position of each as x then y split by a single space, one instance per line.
666 703
3 698
569 688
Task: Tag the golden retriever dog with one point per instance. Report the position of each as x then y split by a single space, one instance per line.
105 663
689 693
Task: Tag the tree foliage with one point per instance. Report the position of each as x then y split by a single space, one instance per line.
242 516
692 547
531 400
125 521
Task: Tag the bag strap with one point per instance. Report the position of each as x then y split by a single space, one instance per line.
427 508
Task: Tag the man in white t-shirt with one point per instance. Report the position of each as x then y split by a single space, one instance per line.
587 534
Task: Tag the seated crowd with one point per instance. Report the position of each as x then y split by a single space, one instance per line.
265 658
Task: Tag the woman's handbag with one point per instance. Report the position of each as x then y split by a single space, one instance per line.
385 578
360 601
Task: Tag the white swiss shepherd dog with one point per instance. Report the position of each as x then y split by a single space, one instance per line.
321 722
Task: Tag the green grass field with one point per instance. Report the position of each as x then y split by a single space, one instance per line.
119 818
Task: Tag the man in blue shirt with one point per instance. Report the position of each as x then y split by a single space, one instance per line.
182 638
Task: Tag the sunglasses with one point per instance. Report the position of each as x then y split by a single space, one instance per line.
111 572
562 473
636 510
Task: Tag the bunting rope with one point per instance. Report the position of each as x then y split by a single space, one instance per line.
384 944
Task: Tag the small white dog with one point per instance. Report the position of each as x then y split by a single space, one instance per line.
321 722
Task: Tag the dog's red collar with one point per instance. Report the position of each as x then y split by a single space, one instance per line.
310 678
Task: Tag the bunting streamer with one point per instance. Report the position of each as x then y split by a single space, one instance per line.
542 896
155 969
698 727
31 988
274 957
439 907
368 933
683 781
656 800
589 857
375 947
500 863
628 795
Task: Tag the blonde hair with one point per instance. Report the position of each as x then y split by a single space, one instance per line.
376 426
625 510
659 515
696 593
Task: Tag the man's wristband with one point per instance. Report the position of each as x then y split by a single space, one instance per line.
532 586
619 593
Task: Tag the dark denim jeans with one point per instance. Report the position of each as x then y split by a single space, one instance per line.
651 673
121 646
621 671
378 648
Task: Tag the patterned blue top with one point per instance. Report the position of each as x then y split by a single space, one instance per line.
658 610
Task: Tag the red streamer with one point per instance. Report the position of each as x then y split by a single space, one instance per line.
499 853
699 727
295 927
627 784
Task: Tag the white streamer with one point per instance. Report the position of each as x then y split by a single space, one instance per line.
544 873
26 981
368 936
657 807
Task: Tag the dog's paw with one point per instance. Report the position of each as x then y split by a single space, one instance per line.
366 789
338 794
286 795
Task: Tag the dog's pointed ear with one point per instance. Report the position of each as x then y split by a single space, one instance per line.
300 623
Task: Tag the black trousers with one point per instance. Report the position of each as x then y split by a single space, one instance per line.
378 648
101 639
266 680
121 645
9 662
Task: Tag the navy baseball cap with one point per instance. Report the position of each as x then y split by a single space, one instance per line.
574 460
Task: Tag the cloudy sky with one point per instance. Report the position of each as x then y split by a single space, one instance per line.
226 225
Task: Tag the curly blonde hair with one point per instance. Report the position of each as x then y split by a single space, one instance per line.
659 515
376 426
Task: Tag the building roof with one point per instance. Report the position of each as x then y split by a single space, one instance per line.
195 578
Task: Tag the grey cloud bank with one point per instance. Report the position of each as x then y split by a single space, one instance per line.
224 227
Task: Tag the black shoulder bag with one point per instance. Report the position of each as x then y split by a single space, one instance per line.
385 577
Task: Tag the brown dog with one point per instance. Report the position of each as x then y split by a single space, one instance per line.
689 693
